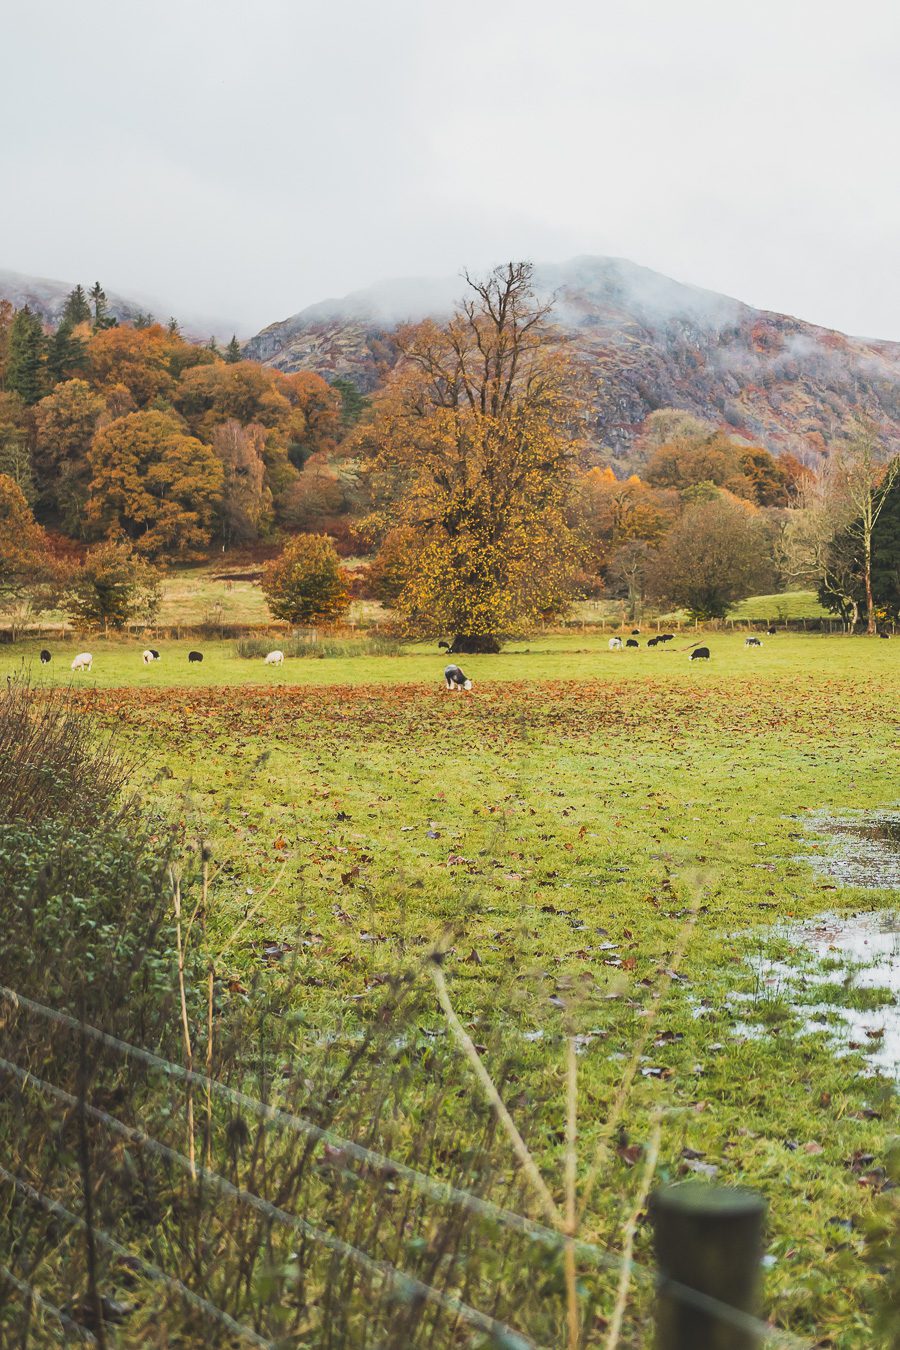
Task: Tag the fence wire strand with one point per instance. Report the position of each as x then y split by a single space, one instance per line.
30 1294
407 1285
441 1191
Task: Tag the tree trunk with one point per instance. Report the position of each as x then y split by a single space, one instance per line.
467 643
870 603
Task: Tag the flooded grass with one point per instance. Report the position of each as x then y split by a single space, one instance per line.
860 849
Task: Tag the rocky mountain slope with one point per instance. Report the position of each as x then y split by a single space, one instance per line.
46 297
649 341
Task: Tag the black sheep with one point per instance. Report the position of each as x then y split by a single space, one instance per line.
700 654
45 657
630 642
195 656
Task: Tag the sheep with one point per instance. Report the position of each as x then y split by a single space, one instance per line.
653 642
699 654
615 644
632 643
274 659
454 679
83 661
667 637
150 655
45 657
752 642
443 646
195 656
886 636
771 631
635 632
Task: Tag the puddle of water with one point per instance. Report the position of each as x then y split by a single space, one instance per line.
863 848
866 948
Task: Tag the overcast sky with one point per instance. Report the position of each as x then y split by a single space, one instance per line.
244 158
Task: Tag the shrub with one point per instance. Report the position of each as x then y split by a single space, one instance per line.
113 586
306 584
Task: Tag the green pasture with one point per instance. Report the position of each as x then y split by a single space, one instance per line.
118 662
553 831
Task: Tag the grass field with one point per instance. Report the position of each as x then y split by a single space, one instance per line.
555 830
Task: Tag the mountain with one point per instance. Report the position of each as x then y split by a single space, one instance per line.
47 297
649 342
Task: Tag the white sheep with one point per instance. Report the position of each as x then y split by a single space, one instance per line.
274 659
615 644
83 661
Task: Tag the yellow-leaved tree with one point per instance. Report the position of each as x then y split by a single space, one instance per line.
468 456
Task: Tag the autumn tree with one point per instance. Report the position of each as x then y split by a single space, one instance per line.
865 481
470 448
306 584
245 506
15 458
64 426
717 553
26 567
155 484
629 571
113 586
137 358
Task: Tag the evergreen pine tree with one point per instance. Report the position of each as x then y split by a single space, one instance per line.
886 554
102 317
26 357
76 309
233 350
143 319
173 327
212 345
66 354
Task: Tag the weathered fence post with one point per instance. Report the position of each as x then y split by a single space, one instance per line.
708 1238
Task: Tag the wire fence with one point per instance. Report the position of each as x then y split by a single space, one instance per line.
378 1166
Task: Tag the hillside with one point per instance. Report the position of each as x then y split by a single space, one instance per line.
47 297
650 342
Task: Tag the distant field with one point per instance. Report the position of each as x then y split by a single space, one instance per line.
787 605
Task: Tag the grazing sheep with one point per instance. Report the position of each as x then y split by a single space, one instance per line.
274 659
195 656
443 646
150 655
653 642
771 632
699 654
615 644
83 661
635 632
45 657
631 643
455 680
667 637
752 642
886 636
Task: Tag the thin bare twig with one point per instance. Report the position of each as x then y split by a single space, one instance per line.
571 1170
615 1325
185 1023
520 1148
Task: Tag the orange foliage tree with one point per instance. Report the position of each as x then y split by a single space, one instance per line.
470 450
155 484
306 584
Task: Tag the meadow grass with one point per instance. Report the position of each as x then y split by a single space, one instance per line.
553 831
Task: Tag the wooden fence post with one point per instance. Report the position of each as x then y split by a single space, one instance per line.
710 1239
